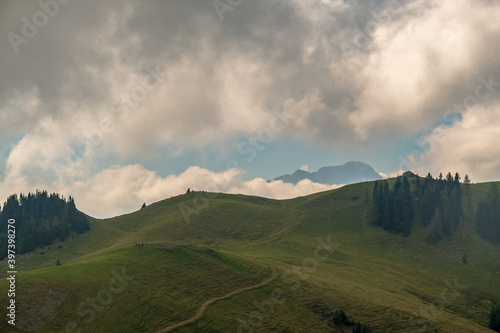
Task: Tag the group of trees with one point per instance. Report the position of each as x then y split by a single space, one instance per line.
434 201
442 196
40 219
339 318
393 207
488 216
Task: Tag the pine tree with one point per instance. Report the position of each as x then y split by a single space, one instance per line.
337 320
449 177
435 230
487 221
343 317
467 183
494 323
406 208
40 218
493 194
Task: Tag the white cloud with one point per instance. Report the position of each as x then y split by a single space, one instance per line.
278 189
383 175
304 168
224 79
123 189
421 66
469 146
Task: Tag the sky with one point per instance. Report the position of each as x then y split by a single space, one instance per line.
123 102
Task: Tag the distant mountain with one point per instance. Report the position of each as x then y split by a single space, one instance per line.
349 173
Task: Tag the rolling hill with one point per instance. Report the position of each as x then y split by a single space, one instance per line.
209 262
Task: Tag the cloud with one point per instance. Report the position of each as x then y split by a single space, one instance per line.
278 189
123 189
340 70
383 175
110 82
304 168
424 66
468 146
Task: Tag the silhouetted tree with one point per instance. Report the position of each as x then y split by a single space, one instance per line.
494 323
488 216
40 219
396 208
434 230
449 177
467 183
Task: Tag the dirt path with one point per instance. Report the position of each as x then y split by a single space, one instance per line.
204 306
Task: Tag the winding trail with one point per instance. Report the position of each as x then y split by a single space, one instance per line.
204 306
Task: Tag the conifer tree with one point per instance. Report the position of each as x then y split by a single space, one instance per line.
494 323
449 177
40 219
467 183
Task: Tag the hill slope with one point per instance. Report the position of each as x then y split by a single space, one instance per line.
325 252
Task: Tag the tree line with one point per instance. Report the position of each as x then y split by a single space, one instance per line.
488 216
40 220
434 202
393 207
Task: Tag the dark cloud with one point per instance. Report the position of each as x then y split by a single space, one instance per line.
344 71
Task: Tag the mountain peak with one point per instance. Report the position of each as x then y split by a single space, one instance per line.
348 173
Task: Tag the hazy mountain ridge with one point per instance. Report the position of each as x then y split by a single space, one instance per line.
349 173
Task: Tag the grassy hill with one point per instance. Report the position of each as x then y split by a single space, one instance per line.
313 255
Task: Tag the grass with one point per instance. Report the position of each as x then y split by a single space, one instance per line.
166 285
392 283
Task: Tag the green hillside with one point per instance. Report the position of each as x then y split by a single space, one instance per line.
259 265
